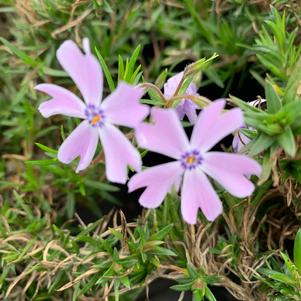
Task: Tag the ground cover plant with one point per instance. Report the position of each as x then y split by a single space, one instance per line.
178 155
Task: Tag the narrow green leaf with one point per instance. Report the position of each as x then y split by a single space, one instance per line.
20 54
106 70
101 185
116 289
273 100
41 162
46 148
261 143
162 251
120 68
209 295
197 296
182 287
293 84
277 276
130 64
125 281
161 79
287 141
266 168
297 250
162 233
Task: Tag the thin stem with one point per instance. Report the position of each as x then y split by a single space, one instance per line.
200 101
154 87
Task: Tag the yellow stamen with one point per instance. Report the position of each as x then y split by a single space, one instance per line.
95 119
190 159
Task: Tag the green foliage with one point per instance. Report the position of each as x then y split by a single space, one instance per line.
197 282
286 280
47 251
80 262
276 47
280 122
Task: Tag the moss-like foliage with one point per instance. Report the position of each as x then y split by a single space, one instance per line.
68 236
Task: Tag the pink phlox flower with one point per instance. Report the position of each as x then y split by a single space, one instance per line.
122 108
193 161
185 106
240 139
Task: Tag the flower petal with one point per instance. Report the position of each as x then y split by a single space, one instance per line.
165 135
191 112
181 109
119 153
186 106
172 84
81 142
239 141
158 181
84 69
213 125
236 183
235 163
62 102
197 192
122 107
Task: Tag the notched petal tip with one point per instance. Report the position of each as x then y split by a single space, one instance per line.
257 169
43 87
213 217
39 87
86 46
62 158
79 169
43 110
65 44
147 204
139 135
83 68
120 180
220 103
238 114
190 220
133 183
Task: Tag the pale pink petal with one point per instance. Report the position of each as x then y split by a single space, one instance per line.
158 180
62 102
213 125
172 84
119 153
191 112
186 106
236 183
239 141
84 69
164 135
180 109
122 107
197 192
82 142
235 163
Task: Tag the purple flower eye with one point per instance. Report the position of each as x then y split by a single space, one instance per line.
191 160
191 169
95 116
100 118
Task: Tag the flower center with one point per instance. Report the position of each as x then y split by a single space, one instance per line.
191 159
95 116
